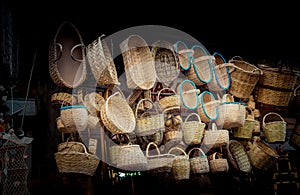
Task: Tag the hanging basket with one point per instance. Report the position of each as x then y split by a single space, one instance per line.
199 163
218 164
215 138
139 63
184 55
74 118
181 165
274 128
70 145
169 101
60 99
208 107
246 131
193 130
189 94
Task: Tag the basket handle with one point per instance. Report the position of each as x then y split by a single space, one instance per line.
148 146
295 90
177 148
60 51
138 104
232 65
72 51
201 153
193 114
271 113
163 89
227 98
218 55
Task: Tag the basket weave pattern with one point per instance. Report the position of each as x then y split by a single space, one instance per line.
199 163
193 130
274 130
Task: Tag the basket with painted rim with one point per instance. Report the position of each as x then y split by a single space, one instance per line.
184 55
189 94
208 107
198 162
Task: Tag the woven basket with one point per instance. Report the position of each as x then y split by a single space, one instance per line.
221 76
70 161
67 66
215 138
74 118
150 122
238 157
184 55
93 102
274 128
181 165
170 100
116 115
231 114
243 77
208 107
114 147
189 94
274 97
70 146
218 164
193 130
165 61
201 71
199 163
60 99
262 156
246 131
138 62
158 162
295 137
101 63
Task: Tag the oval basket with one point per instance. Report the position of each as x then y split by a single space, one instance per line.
193 130
74 118
189 94
184 55
208 107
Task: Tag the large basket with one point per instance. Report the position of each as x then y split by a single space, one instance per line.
274 128
208 107
67 66
243 77
165 61
70 145
193 130
158 162
181 165
218 164
138 62
171 100
70 161
273 97
101 62
189 94
215 138
184 55
199 163
201 71
74 118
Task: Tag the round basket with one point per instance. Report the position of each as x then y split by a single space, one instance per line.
184 55
208 107
169 101
60 99
193 130
215 138
139 63
74 118
201 71
165 61
218 164
93 102
67 66
101 63
189 94
243 77
199 163
181 165
274 127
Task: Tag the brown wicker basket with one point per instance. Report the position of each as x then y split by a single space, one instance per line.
215 138
169 101
181 165
184 55
218 164
70 145
274 127
208 107
93 101
193 130
139 63
189 94
74 118
199 163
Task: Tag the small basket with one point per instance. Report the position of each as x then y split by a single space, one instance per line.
199 164
246 131
275 128
70 145
60 99
272 96
181 165
218 164
189 94
93 101
215 138
243 77
139 63
193 130
74 118
208 107
158 163
169 101
184 55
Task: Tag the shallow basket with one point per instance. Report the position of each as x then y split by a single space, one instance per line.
93 101
189 94
181 165
274 128
60 99
193 130
138 62
208 107
199 163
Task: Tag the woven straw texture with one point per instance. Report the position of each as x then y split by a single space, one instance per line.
208 107
218 164
60 99
193 130
168 100
189 94
274 127
74 118
243 77
67 66
215 138
181 165
198 161
138 62
184 55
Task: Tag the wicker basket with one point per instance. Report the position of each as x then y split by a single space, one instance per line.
221 76
193 130
165 61
74 118
67 66
215 138
181 165
93 101
101 63
184 55
189 94
274 128
208 107
158 163
218 164
168 101
60 99
70 161
201 71
243 77
238 157
116 115
139 63
274 97
199 163
231 114
262 156
70 146
150 122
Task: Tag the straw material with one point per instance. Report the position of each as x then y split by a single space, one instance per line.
74 118
218 164
60 99
138 62
208 107
231 113
184 55
70 146
93 122
199 163
262 156
295 137
189 94
70 161
238 157
274 128
181 165
215 138
201 71
171 100
275 97
245 131
243 77
193 130
67 65
158 162
93 101
165 61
